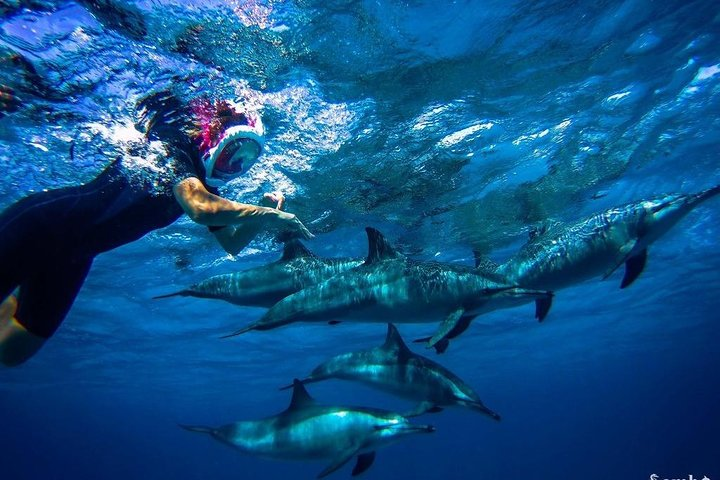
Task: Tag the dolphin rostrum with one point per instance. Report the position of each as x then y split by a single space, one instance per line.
390 287
266 285
394 368
597 245
308 431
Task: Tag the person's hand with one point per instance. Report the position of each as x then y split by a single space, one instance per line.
292 227
8 101
276 198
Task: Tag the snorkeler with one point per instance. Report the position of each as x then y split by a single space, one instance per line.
48 240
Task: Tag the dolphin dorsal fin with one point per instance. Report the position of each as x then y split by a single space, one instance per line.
378 247
394 342
301 398
295 249
483 263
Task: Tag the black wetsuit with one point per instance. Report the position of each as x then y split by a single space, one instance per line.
48 240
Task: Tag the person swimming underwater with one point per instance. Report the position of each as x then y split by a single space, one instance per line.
48 240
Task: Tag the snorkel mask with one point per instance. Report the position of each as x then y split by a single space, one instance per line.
232 141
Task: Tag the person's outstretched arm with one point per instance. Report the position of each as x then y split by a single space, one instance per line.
234 224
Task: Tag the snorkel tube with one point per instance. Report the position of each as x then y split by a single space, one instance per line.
231 140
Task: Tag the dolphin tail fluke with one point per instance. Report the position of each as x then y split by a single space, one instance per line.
181 293
447 326
198 429
440 347
423 408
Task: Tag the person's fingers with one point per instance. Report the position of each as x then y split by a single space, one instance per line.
8 107
8 101
276 198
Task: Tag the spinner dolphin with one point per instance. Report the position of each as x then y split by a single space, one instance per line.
394 368
390 287
309 431
268 284
595 246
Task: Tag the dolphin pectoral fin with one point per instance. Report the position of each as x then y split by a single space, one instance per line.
542 307
440 347
633 268
446 327
364 461
623 256
341 460
423 408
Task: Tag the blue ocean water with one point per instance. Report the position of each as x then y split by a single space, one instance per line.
450 127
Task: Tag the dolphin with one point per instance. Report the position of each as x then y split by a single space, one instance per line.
393 368
600 244
596 246
266 285
309 431
388 286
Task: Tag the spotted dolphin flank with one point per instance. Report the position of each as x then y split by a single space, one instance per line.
309 431
391 287
595 246
268 284
394 368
